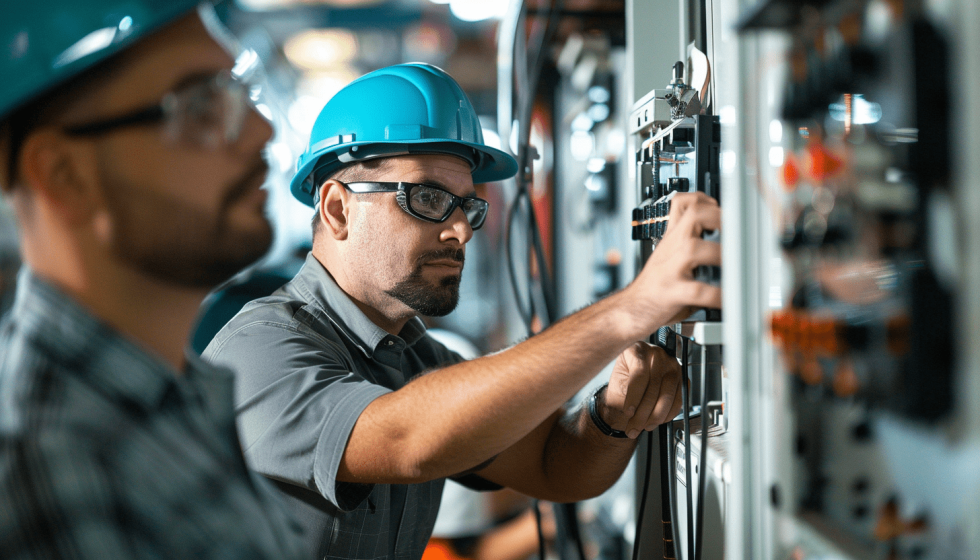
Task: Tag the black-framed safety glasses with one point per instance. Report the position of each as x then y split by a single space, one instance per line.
427 202
207 113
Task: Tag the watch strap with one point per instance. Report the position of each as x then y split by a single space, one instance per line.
598 421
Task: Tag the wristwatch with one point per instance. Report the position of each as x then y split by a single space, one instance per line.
597 420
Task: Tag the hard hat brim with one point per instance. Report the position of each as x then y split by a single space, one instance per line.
489 164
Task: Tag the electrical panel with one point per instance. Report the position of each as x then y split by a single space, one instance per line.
837 390
677 151
865 335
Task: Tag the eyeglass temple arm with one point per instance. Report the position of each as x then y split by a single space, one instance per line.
143 116
370 186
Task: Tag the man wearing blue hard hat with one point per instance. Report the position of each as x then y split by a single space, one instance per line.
133 160
357 414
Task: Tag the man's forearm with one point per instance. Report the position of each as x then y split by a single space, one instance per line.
477 409
580 461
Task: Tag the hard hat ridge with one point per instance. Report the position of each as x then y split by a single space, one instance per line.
400 110
43 44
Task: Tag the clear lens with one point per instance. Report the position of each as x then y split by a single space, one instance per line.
208 114
476 211
431 203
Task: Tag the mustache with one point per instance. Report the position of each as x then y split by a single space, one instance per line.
458 255
244 185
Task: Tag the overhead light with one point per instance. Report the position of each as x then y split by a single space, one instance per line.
265 5
478 10
317 49
856 109
428 42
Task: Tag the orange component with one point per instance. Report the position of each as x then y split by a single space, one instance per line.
890 525
824 333
846 382
790 173
440 549
820 163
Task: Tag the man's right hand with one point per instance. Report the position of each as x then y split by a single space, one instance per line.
665 290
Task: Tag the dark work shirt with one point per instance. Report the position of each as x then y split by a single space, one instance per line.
106 452
308 362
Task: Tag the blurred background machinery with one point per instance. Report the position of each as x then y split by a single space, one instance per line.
839 385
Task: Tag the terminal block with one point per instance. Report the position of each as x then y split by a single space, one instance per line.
678 153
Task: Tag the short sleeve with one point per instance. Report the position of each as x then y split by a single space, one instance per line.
298 399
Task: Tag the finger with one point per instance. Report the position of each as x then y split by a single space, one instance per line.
661 367
696 219
705 253
698 294
639 378
678 404
682 202
675 409
670 392
617 390
645 409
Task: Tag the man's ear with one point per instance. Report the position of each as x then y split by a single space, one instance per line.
334 209
61 173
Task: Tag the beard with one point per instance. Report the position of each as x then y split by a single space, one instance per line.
177 243
423 296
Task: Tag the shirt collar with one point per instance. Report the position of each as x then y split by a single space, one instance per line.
323 291
70 335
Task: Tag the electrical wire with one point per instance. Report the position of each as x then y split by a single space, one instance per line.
643 497
686 398
672 488
703 461
537 519
526 87
526 313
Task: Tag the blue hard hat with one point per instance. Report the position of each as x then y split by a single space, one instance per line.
404 109
43 44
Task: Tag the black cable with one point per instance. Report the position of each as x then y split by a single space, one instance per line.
522 195
524 155
528 313
672 488
666 513
656 171
703 32
703 462
537 518
643 498
686 398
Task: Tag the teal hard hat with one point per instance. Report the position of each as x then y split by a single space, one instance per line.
399 110
45 43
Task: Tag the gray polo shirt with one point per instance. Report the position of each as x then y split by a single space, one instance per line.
307 362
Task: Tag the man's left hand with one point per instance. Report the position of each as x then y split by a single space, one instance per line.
644 390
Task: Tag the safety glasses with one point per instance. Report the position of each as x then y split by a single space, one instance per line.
426 202
207 113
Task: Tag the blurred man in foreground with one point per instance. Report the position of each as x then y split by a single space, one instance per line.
133 161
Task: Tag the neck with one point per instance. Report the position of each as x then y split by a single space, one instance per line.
391 318
155 314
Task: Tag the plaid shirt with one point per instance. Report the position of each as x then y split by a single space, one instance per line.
105 452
